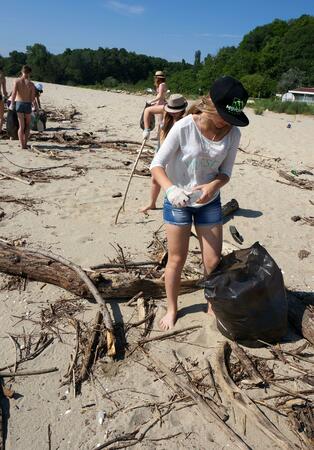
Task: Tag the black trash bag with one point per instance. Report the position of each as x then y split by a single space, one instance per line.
152 119
248 297
12 124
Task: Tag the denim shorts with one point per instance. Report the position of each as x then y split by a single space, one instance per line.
23 107
209 214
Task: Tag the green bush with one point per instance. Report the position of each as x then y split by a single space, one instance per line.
276 105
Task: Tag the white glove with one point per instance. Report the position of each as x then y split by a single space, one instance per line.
177 196
146 133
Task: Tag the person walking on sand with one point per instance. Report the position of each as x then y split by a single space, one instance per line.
157 103
23 96
172 112
194 162
3 95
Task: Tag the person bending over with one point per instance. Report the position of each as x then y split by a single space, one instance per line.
194 162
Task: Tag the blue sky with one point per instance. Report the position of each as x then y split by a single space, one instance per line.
171 29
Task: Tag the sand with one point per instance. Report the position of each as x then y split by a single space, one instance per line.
75 218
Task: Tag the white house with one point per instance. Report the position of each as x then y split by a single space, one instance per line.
303 94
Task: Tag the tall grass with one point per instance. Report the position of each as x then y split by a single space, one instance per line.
278 106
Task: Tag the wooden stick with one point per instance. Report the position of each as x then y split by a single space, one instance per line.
89 354
92 288
15 177
244 402
133 299
129 182
167 335
248 365
24 373
127 264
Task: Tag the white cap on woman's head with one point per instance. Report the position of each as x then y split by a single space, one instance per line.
39 87
176 103
159 74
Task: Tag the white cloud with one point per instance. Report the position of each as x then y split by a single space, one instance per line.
124 8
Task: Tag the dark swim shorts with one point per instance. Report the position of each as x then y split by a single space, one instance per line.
23 107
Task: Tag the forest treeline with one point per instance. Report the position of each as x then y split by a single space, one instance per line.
269 59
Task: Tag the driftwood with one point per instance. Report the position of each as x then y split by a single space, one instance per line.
46 269
301 316
91 348
247 363
204 409
13 176
239 398
24 373
230 207
297 182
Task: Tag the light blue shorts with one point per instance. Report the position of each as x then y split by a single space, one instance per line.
209 214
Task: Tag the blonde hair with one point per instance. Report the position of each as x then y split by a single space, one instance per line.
205 104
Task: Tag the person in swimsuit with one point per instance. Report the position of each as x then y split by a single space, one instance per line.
194 162
23 96
3 95
172 112
157 104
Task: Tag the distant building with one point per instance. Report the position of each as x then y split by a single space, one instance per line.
303 94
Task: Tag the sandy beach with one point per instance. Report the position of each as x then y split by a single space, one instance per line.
74 217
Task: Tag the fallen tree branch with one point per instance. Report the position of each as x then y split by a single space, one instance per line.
24 373
238 397
46 268
12 176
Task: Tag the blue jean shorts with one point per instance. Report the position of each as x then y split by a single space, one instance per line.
23 107
207 215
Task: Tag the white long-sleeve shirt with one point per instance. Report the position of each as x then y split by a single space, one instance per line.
190 159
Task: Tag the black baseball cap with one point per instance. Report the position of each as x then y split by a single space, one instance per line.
229 97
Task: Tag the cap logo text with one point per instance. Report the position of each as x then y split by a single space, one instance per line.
236 107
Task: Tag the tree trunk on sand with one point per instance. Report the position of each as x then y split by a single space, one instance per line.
301 315
34 266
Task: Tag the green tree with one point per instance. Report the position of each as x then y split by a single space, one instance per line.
291 79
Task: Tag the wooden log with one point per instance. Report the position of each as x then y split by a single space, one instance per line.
240 399
34 266
301 316
230 207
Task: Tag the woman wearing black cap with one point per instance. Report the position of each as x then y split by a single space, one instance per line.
193 163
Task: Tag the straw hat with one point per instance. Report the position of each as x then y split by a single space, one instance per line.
176 103
159 74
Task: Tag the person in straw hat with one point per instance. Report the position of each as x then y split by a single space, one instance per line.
194 162
172 112
157 103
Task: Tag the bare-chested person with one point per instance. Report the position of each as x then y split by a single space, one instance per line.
3 94
23 96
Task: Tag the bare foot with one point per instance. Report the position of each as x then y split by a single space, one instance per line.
209 310
168 321
147 208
